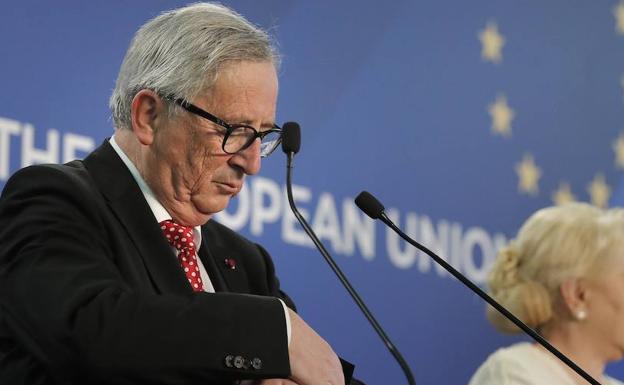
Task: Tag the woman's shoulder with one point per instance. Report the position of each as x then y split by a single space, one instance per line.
613 381
520 363
518 349
517 355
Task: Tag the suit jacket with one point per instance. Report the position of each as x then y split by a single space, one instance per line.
90 292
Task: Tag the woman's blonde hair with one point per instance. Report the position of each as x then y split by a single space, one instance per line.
554 244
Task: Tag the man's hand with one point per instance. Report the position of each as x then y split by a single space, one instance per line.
312 360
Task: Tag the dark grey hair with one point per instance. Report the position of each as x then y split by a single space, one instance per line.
181 51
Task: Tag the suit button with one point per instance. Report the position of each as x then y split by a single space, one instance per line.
256 363
238 362
228 361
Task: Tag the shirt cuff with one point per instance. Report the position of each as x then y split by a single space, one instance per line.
287 317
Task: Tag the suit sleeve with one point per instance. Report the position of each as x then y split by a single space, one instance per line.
65 302
273 282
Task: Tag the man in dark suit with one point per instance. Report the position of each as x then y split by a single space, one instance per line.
111 270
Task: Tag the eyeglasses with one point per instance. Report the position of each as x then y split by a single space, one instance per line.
237 137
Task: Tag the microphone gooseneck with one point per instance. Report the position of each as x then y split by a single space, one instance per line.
291 140
374 209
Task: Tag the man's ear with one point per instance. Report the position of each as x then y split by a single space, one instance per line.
574 293
147 111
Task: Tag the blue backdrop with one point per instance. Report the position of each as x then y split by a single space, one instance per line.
463 116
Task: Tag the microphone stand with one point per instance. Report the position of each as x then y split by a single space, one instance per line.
369 316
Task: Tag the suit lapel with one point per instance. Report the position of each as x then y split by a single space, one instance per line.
216 254
210 263
129 206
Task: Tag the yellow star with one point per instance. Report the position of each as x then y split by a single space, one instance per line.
501 115
618 12
618 147
599 191
528 175
492 43
563 195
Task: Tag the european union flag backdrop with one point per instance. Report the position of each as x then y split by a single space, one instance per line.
463 117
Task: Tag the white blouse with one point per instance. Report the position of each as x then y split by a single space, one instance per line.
526 364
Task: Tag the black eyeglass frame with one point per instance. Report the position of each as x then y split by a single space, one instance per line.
229 127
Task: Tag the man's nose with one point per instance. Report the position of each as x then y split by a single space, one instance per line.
248 159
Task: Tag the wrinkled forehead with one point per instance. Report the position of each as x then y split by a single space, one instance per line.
235 73
244 90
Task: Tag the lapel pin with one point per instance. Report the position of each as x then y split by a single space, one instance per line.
231 263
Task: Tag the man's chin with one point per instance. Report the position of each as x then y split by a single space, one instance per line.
210 206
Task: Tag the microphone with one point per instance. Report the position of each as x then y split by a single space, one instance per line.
291 137
370 205
374 209
291 142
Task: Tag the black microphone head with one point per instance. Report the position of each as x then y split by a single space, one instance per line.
291 137
370 205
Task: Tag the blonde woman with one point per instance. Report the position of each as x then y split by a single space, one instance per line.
563 275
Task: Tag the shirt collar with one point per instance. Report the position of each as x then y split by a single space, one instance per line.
160 213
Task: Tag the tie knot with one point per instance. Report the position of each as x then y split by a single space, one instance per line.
178 236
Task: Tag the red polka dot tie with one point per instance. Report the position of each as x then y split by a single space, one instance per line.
181 237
